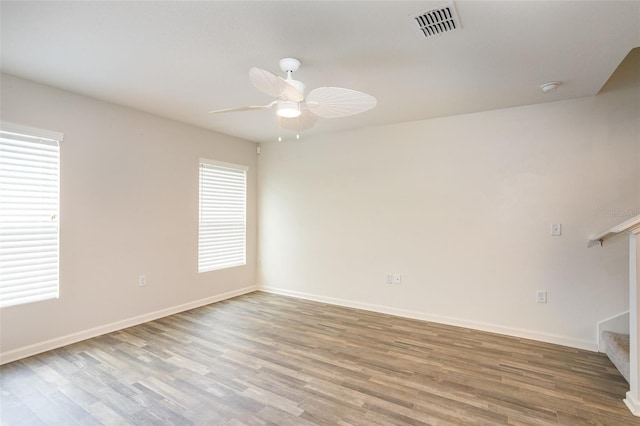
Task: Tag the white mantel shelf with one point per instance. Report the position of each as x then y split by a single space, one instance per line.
627 225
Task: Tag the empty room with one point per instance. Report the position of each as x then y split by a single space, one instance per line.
319 212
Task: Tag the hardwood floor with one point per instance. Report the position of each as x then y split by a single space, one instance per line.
267 359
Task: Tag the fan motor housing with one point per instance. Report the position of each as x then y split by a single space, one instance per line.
297 84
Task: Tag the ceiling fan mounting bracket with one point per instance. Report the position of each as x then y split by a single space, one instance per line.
289 65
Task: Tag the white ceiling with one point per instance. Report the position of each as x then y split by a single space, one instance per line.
180 59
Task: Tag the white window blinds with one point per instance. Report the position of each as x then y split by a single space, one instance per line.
222 230
29 210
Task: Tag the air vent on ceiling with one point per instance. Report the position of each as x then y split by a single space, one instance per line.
443 19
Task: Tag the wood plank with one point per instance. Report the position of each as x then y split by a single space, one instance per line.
263 359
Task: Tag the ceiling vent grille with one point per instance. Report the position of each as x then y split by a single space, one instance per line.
443 19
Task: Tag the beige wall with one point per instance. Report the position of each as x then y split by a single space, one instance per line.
462 207
129 206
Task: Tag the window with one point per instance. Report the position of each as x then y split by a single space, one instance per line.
223 206
29 210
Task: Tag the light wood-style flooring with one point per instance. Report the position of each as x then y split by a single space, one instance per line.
265 359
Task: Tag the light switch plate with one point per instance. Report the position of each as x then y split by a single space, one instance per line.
541 296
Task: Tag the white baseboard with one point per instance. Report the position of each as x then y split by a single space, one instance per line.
632 404
492 328
26 351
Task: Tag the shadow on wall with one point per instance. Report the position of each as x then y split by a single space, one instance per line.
626 75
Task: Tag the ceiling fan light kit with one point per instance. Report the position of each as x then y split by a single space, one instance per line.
295 110
288 109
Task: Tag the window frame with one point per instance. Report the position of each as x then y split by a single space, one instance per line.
37 286
207 263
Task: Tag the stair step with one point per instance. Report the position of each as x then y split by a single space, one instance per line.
618 351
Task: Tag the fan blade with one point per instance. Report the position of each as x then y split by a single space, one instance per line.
269 83
240 109
305 121
334 102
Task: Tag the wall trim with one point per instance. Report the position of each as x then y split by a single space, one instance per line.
632 404
31 131
476 325
34 349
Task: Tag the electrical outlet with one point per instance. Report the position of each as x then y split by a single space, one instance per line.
397 278
142 281
541 296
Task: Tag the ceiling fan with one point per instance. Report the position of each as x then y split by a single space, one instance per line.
296 111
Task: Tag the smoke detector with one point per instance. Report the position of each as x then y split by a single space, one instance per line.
443 19
550 86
